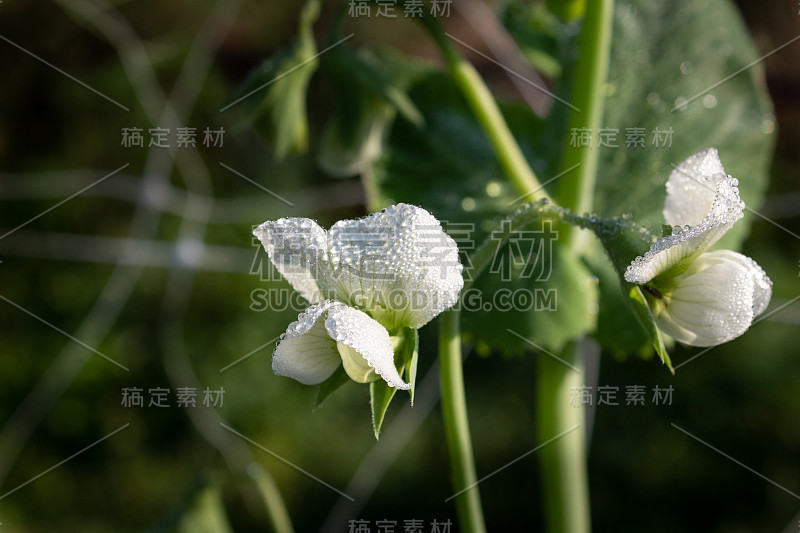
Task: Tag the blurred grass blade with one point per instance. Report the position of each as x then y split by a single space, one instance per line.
279 519
207 515
201 511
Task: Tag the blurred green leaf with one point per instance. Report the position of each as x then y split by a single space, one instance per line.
353 137
387 80
280 114
567 9
540 35
664 54
340 156
370 89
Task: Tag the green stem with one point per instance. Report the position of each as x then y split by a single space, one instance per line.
371 190
563 461
456 424
576 189
485 109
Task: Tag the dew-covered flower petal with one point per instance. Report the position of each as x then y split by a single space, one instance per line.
306 352
714 300
691 188
398 264
762 288
295 246
364 344
330 333
674 253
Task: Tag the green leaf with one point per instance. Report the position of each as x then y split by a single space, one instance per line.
273 97
380 396
371 88
548 300
664 53
540 35
353 137
380 393
383 74
623 241
330 385
618 329
410 353
567 9
646 318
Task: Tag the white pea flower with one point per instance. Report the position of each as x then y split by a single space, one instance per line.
697 297
366 279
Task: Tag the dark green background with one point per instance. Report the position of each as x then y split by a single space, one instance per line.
178 325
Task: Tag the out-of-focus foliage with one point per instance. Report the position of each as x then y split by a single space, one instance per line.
659 53
57 137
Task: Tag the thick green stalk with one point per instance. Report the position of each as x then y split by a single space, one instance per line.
456 424
563 461
576 189
485 109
